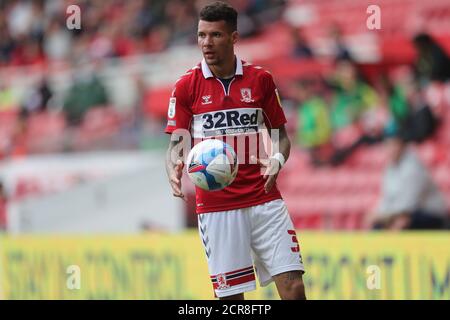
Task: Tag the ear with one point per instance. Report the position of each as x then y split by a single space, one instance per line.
234 36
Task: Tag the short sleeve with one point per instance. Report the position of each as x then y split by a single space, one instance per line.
179 113
274 114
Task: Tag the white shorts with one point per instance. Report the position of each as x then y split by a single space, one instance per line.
235 240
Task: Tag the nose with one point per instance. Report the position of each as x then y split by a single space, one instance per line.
207 41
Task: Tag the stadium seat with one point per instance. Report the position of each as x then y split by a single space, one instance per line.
99 126
156 101
8 125
45 132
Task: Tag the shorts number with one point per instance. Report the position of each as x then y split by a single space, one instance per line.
294 240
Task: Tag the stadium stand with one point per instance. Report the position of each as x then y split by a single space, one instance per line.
318 197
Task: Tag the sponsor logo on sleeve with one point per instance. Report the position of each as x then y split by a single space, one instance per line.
172 104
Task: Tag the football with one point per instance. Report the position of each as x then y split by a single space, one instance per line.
212 165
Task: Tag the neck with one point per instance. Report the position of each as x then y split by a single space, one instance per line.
225 70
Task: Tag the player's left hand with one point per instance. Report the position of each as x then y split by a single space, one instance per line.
271 168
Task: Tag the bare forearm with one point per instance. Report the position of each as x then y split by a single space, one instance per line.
174 167
280 153
285 146
169 164
172 156
281 143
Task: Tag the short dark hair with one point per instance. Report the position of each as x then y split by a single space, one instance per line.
218 11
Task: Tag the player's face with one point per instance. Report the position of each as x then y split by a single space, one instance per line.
216 41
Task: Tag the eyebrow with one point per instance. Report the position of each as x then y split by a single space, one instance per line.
210 32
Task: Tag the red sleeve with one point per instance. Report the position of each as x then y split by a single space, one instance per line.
274 114
179 113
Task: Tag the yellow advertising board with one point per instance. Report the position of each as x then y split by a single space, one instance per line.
163 266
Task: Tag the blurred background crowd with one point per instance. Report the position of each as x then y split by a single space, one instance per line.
363 105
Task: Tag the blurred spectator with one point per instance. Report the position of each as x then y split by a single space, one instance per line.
27 51
340 49
409 197
396 100
57 41
409 110
3 203
254 15
352 95
86 92
351 102
37 99
19 17
34 32
6 42
353 99
302 49
432 64
8 100
314 126
182 16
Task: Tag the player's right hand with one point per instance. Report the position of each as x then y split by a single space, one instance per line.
175 179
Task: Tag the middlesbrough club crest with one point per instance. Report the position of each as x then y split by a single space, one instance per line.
222 281
246 94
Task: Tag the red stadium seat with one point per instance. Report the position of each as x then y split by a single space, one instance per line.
45 132
99 126
8 125
156 102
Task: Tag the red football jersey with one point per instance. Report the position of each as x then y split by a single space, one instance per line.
201 104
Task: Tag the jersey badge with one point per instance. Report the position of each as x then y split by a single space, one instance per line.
246 94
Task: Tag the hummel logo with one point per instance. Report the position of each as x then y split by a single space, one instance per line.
206 99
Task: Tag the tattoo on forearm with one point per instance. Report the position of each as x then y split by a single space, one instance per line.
290 276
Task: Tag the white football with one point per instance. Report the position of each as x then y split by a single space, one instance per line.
212 165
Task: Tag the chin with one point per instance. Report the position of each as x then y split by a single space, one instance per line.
211 62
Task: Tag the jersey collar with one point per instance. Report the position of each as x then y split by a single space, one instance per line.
208 74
